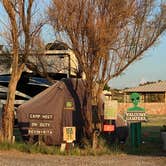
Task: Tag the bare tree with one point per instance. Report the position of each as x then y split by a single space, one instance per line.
22 29
107 35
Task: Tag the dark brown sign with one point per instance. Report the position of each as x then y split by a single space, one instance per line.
40 124
136 116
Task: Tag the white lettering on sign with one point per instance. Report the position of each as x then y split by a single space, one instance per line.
34 116
40 132
41 116
47 116
44 124
40 124
33 124
136 116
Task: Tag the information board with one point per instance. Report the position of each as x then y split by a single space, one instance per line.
110 109
40 124
69 134
136 116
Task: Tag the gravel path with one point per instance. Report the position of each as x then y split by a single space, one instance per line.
15 158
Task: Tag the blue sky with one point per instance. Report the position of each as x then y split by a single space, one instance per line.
151 67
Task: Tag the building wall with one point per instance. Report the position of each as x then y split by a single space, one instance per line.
151 108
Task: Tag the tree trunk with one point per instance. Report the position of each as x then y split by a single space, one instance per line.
88 116
100 103
93 134
96 133
8 112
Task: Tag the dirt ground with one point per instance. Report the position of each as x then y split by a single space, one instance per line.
15 158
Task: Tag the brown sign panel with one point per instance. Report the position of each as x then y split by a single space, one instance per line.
40 124
136 116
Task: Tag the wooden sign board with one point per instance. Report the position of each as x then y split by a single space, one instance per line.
69 134
40 124
136 116
109 128
110 109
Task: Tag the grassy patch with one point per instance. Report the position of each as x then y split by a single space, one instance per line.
29 148
151 145
151 129
151 141
102 149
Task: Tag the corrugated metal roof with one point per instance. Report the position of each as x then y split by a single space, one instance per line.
153 87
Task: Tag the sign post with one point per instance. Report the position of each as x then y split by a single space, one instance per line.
134 116
110 115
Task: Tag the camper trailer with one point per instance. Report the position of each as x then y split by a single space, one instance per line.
61 105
